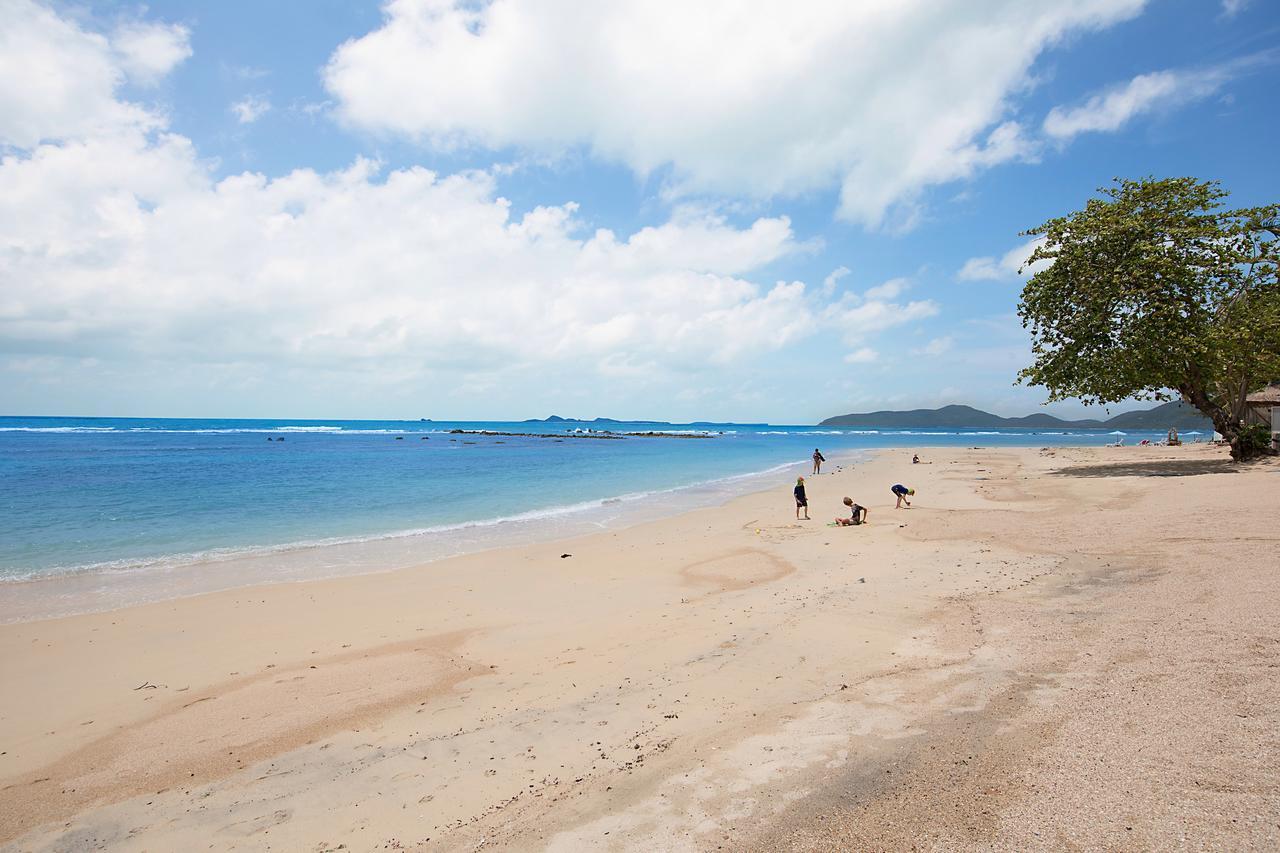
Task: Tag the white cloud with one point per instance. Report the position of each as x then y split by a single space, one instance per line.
147 52
244 72
829 283
250 108
116 243
1112 109
314 109
150 259
1231 8
701 241
125 265
1005 267
860 317
978 269
865 355
859 320
937 346
890 289
73 91
881 99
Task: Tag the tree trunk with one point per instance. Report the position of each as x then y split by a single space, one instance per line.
1223 421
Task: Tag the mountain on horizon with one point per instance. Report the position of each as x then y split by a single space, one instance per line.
556 419
1174 414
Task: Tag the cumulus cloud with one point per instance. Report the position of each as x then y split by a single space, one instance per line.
250 108
152 259
1112 109
882 100
858 317
119 248
1005 267
73 92
116 243
864 355
147 52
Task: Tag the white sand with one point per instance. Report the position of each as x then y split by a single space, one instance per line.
1084 644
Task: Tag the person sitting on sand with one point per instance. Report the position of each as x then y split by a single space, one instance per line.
915 459
802 501
859 514
818 459
901 492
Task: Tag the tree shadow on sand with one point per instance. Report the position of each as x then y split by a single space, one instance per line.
1163 468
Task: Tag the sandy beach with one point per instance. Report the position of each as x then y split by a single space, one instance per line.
1072 648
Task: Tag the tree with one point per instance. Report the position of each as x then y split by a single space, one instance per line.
1155 289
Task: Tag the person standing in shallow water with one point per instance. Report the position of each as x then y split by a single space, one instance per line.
818 459
802 500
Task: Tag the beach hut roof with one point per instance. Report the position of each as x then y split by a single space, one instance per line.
1270 394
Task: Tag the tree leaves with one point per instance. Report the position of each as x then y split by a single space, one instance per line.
1155 288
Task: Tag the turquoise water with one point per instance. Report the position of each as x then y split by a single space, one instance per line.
129 497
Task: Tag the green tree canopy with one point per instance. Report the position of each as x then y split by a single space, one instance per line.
1156 289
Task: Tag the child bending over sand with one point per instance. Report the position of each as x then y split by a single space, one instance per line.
901 492
859 514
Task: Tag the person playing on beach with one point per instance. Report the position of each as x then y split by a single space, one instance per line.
818 459
901 492
859 514
802 500
915 459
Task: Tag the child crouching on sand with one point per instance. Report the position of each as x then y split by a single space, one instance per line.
859 514
901 492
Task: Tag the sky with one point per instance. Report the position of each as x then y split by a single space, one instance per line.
734 211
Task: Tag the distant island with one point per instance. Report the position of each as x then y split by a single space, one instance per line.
556 419
1175 414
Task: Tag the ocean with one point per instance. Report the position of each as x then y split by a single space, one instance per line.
102 512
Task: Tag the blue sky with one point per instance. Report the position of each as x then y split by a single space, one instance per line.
508 209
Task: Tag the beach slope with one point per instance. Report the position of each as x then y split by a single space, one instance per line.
1051 648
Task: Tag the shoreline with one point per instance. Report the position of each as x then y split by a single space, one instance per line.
244 517
726 676
105 587
99 587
